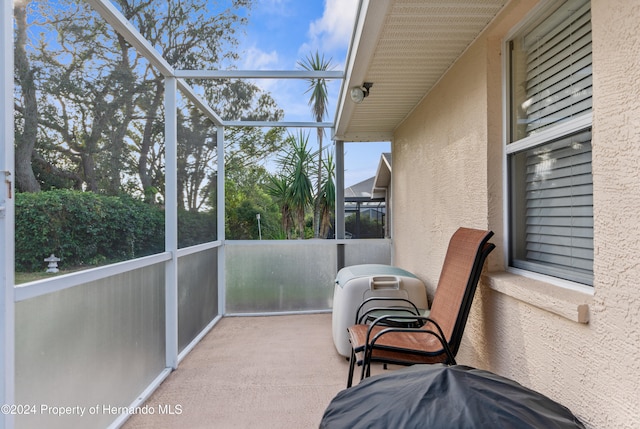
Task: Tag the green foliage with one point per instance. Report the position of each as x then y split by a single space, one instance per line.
327 197
365 228
318 101
296 169
83 228
89 113
242 221
196 228
247 195
278 189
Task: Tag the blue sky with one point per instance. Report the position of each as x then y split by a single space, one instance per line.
281 32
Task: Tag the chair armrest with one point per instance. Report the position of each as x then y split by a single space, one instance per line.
369 343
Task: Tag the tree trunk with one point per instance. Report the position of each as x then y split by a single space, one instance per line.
89 170
90 143
25 141
147 137
317 211
325 222
128 108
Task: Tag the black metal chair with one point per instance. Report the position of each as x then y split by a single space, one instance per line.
439 337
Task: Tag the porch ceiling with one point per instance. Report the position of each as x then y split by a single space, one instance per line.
403 47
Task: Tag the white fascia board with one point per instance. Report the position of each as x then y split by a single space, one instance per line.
366 136
383 174
369 23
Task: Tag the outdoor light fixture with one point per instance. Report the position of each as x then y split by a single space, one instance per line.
358 93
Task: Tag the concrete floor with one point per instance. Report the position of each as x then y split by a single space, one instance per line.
252 372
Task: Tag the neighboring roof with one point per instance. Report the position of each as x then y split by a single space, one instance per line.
359 190
403 47
372 188
383 176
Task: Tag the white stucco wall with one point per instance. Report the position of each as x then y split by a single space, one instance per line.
448 173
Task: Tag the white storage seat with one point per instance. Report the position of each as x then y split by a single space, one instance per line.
356 283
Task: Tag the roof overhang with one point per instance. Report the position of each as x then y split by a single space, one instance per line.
403 47
382 179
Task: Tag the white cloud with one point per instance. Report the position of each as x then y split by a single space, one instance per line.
256 59
333 31
274 7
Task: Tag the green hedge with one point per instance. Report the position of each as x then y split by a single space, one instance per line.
195 228
84 228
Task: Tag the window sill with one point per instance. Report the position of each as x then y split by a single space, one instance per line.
570 304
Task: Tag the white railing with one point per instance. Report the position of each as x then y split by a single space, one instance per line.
97 338
291 275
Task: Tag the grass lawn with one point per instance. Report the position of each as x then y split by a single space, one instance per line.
31 277
22 277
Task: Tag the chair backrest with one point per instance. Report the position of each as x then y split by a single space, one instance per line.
467 251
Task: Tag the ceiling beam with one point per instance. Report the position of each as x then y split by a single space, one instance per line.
278 124
259 74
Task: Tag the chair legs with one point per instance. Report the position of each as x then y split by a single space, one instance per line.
366 369
366 364
352 365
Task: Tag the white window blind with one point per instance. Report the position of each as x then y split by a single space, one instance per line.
558 209
558 69
551 183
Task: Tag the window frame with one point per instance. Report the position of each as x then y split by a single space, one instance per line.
571 126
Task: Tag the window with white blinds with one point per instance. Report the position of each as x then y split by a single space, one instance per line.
559 70
551 192
553 230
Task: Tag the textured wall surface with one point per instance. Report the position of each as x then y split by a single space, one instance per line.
448 173
440 170
616 167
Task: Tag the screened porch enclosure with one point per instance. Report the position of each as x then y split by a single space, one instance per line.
103 343
89 346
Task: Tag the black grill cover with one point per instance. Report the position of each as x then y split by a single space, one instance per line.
440 396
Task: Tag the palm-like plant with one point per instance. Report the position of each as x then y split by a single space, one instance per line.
278 188
319 108
327 196
296 167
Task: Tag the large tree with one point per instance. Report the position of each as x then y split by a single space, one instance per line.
90 108
84 89
26 106
318 101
